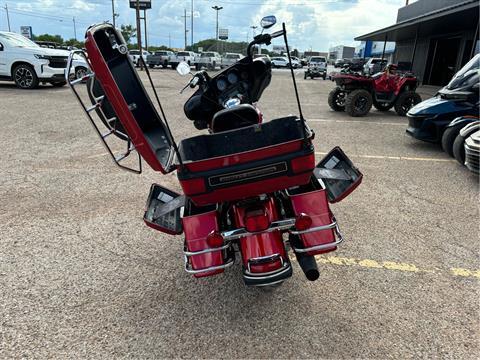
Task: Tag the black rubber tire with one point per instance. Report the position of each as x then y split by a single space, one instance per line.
382 106
165 64
151 66
25 77
312 77
59 83
352 106
406 101
333 102
80 72
458 149
305 76
324 77
448 138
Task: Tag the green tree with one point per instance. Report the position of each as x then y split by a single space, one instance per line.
47 37
128 32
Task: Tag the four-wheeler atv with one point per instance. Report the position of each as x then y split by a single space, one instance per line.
356 93
428 120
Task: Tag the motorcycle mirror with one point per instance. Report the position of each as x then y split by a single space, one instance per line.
268 21
183 68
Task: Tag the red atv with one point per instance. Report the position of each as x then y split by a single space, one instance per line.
356 93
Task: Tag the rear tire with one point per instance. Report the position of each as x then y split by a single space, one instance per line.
448 138
25 77
336 99
358 103
151 66
406 101
458 149
305 76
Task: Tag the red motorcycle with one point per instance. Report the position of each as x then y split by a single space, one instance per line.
356 93
250 189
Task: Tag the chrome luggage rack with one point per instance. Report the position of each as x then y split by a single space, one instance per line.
96 107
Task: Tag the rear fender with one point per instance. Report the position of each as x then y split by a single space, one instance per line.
406 83
462 120
262 252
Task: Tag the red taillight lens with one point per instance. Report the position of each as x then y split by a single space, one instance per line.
193 186
257 220
303 163
214 239
303 222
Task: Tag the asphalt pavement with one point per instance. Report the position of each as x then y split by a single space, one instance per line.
81 276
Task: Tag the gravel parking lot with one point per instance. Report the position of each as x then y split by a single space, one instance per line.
82 276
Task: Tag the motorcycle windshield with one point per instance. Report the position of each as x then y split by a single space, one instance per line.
108 56
467 77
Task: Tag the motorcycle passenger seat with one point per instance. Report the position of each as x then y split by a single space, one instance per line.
233 118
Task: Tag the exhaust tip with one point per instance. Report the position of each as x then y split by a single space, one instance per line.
312 274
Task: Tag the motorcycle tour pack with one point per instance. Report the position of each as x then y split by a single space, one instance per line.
250 188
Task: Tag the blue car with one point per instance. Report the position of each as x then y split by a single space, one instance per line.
428 120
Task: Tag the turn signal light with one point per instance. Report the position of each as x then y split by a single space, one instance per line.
303 222
214 239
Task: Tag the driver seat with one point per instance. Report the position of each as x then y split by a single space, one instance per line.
236 117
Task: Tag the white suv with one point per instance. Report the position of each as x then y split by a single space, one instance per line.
28 64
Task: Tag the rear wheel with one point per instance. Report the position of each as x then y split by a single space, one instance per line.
458 149
336 99
25 77
406 101
358 103
151 66
448 138
325 77
80 72
305 76
382 106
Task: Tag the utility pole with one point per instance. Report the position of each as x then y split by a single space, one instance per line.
8 17
185 16
217 9
113 13
191 25
145 24
169 41
74 29
139 32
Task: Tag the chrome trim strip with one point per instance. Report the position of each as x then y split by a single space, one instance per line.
211 268
267 275
275 225
323 246
205 251
314 229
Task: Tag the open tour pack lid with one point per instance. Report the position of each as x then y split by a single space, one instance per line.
148 131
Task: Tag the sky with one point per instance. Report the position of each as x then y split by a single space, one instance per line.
311 24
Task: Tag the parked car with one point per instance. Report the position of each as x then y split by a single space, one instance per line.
208 59
472 152
27 64
282 62
374 65
279 62
317 67
459 143
356 64
296 62
339 63
160 58
230 59
135 56
187 56
428 120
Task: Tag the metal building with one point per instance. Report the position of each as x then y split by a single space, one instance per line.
436 37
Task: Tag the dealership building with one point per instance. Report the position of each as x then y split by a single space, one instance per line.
434 37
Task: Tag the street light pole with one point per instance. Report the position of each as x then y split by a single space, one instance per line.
113 12
8 17
74 29
253 27
191 27
217 9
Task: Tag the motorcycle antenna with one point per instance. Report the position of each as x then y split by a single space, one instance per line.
293 77
175 147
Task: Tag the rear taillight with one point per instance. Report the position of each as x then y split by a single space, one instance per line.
214 239
303 222
304 163
193 186
256 220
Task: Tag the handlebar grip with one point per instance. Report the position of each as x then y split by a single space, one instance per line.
277 34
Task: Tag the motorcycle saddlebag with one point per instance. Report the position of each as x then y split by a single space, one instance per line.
310 202
245 162
201 259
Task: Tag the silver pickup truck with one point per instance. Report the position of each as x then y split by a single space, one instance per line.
160 58
229 59
208 59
